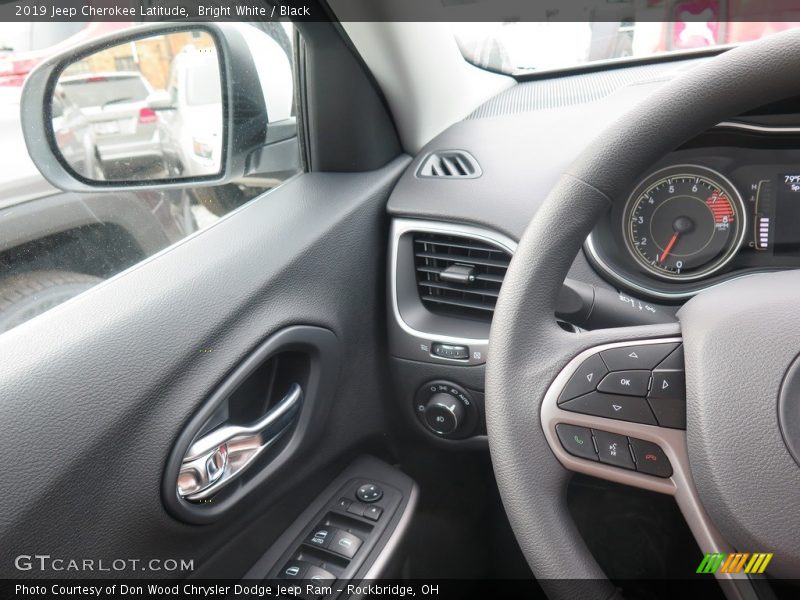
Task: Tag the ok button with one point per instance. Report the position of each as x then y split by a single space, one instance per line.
628 383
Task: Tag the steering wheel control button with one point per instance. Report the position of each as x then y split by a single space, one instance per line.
612 406
613 449
674 362
576 440
585 379
450 351
667 398
628 383
369 493
668 384
645 356
650 458
320 536
294 569
669 412
345 544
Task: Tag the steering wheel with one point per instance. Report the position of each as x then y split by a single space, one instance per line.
733 471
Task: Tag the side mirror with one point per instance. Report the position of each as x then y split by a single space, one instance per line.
160 100
159 105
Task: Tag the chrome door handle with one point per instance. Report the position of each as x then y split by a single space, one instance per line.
219 457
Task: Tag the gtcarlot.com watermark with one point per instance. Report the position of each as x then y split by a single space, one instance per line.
54 564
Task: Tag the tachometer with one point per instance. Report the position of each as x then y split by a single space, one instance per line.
684 222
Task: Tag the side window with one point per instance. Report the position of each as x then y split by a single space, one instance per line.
111 109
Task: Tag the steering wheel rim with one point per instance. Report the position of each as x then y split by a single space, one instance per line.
527 349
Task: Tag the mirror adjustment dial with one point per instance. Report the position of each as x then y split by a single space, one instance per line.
444 413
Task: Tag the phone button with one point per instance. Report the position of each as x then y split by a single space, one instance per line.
650 458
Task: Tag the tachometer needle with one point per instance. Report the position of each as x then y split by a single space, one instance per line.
669 247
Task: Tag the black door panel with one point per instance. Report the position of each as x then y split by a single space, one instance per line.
100 387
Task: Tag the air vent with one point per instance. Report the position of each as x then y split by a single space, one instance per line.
459 276
455 164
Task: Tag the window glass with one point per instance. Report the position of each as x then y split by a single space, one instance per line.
520 47
55 245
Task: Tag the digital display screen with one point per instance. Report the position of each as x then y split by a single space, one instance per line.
787 215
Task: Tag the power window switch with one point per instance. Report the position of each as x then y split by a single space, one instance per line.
316 577
320 536
320 575
345 544
294 569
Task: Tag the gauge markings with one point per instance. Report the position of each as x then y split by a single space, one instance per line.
685 224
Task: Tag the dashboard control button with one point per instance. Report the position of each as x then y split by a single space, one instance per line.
444 413
373 513
650 458
674 362
585 379
446 410
320 536
612 406
669 412
294 569
576 440
345 544
628 383
644 356
450 351
369 492
613 449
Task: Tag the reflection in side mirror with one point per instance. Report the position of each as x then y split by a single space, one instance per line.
160 100
146 110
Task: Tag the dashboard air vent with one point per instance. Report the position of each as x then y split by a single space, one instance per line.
455 164
459 276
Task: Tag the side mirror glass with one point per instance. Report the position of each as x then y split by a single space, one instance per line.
151 108
160 100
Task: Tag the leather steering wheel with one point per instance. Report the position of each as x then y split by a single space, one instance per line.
734 474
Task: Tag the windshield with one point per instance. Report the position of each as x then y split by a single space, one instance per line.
527 47
98 90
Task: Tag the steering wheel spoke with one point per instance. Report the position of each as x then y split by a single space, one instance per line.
617 411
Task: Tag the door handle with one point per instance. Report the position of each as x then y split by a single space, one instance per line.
219 457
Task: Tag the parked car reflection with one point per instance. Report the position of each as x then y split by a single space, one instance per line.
125 127
75 136
190 113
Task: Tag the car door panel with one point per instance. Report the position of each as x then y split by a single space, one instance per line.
90 420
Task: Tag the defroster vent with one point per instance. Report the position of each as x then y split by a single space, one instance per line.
459 276
453 164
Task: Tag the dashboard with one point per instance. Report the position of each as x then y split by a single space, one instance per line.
723 205
706 213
